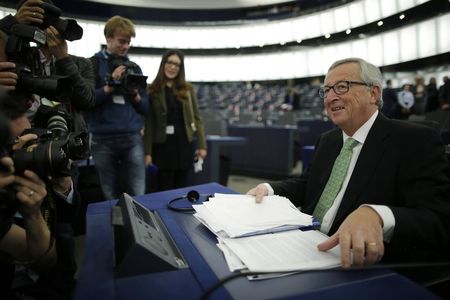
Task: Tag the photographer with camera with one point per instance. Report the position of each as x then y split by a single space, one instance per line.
74 88
28 153
116 121
24 192
59 282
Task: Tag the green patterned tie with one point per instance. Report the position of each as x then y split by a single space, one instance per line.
336 179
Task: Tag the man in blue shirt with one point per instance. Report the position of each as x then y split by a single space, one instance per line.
116 121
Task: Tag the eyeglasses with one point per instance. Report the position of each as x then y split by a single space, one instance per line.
173 64
340 87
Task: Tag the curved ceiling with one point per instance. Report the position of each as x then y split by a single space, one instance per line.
193 4
179 11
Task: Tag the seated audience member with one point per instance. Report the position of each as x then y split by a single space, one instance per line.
379 187
390 101
292 99
444 94
433 96
405 102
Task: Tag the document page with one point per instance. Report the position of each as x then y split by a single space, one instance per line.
240 215
286 251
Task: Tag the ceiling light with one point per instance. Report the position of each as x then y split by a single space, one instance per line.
402 16
380 23
348 31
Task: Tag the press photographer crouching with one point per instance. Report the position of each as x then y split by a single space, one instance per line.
30 242
53 103
47 153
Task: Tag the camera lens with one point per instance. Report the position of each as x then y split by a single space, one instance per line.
58 125
47 159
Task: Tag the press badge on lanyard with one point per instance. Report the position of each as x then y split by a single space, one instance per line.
170 129
118 99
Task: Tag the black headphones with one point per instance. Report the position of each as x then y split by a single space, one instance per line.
192 196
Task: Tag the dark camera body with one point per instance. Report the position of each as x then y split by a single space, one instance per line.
131 80
55 147
67 28
55 87
28 64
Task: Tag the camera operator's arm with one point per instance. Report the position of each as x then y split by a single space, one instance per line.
103 93
79 69
8 79
140 97
56 45
30 12
63 188
140 101
32 242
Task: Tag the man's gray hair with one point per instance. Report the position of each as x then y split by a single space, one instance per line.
369 73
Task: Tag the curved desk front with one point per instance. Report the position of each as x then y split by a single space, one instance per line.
207 266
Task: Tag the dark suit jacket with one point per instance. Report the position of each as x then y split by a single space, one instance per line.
401 165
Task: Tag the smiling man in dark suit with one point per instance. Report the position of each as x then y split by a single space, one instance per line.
392 201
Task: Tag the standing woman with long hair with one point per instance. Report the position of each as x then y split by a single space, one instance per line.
172 124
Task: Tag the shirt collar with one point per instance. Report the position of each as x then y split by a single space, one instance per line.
361 134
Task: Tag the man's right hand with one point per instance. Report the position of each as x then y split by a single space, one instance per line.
8 78
118 72
259 192
30 12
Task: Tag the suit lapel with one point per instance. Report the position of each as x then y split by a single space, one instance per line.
368 160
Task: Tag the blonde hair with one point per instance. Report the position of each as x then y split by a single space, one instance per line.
119 25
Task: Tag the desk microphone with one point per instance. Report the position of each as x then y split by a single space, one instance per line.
193 196
233 276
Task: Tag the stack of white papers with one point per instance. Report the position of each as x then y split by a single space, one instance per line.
239 215
288 251
263 237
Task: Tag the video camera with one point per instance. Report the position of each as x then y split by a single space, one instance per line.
55 147
27 62
131 80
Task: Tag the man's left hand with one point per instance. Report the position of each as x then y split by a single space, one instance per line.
360 238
